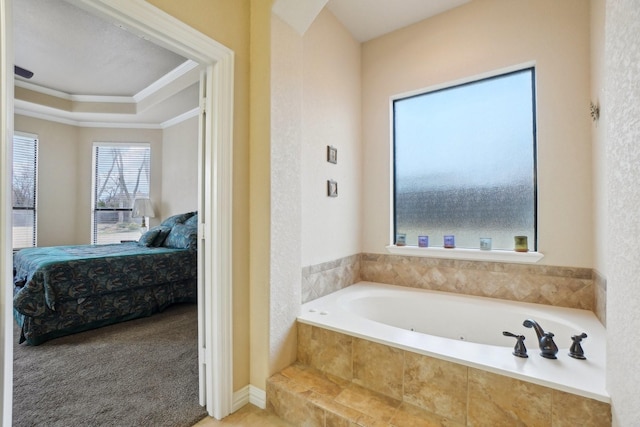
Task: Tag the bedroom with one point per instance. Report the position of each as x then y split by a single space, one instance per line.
65 140
66 137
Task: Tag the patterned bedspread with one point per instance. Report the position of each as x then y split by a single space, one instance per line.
44 278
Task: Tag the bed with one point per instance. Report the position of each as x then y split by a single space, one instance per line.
61 290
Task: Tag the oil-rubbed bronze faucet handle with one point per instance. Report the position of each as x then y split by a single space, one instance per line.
576 350
519 350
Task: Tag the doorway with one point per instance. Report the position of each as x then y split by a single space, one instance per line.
215 190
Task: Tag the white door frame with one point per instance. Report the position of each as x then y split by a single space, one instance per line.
215 204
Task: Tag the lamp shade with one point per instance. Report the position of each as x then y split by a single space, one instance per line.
142 208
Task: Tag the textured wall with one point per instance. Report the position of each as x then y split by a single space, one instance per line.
622 109
286 137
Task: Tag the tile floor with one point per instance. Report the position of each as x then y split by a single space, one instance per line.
247 416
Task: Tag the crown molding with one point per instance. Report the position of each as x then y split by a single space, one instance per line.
86 124
166 80
181 77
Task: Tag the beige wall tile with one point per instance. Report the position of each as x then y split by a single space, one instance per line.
314 380
436 385
336 355
600 295
322 279
328 351
569 410
372 404
542 284
304 342
293 406
333 420
499 400
411 416
378 367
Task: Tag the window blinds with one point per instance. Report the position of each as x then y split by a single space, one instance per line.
121 174
24 190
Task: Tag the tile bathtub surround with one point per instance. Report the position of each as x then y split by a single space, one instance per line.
322 279
600 295
542 284
393 387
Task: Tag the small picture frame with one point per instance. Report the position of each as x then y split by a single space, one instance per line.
332 154
332 188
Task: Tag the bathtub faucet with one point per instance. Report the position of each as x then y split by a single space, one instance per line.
548 348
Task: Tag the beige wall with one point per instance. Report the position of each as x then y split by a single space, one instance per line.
260 179
227 21
58 185
86 138
65 174
598 136
622 133
179 169
477 38
331 227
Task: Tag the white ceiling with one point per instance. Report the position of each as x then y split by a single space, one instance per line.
110 75
368 19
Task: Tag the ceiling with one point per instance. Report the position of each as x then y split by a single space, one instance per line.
90 72
368 19
94 72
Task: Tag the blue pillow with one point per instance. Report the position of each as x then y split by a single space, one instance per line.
177 219
193 221
155 236
162 235
182 236
147 238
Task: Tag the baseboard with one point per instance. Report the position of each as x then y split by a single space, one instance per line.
249 394
258 397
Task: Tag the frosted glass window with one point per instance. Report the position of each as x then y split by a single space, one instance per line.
465 162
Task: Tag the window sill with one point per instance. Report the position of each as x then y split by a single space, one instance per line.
468 254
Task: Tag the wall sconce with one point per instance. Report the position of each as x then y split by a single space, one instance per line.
595 112
142 208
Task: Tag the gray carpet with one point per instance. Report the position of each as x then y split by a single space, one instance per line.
138 373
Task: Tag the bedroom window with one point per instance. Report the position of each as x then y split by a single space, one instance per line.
121 174
465 162
24 189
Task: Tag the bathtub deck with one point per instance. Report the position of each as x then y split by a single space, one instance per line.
341 380
387 314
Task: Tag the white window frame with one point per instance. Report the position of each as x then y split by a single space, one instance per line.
93 177
455 253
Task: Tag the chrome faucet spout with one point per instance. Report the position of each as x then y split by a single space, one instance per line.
548 348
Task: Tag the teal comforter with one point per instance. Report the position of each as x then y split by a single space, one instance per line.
65 289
